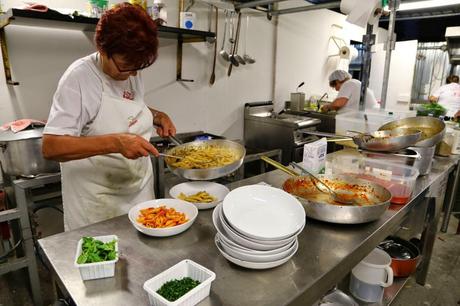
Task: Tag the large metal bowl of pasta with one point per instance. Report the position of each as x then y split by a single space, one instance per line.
205 159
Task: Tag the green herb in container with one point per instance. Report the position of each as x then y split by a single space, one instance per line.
175 289
96 251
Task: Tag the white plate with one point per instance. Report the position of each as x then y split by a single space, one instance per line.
219 191
187 208
247 256
255 265
261 241
232 232
243 241
263 212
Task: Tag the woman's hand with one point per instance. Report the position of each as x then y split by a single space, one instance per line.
134 146
325 108
165 125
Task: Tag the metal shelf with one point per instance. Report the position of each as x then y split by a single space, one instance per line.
54 19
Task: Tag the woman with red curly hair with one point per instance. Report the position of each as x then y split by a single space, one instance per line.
99 126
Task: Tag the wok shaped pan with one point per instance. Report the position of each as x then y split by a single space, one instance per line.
432 129
206 173
303 189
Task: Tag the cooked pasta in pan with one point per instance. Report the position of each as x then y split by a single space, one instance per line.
202 157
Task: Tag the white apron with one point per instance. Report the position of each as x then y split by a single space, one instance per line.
105 186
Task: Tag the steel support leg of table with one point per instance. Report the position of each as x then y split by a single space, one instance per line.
428 239
451 199
22 205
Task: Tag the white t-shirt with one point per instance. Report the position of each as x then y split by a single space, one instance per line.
351 90
78 97
449 96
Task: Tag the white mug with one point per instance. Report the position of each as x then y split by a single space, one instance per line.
375 269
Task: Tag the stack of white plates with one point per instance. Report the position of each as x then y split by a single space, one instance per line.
257 226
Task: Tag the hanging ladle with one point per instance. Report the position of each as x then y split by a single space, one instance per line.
222 51
247 58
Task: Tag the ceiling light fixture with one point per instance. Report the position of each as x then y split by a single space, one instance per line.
425 4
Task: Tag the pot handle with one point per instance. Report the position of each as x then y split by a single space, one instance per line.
389 281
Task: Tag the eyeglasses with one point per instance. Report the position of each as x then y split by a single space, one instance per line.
143 66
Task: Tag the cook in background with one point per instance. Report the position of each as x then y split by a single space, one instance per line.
448 96
349 93
99 126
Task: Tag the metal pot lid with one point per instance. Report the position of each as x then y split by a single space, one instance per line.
9 135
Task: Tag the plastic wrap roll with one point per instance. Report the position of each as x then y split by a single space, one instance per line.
348 52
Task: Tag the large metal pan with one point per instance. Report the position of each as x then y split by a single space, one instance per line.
305 191
206 173
382 141
432 129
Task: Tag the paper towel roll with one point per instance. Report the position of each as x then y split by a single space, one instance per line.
361 12
349 53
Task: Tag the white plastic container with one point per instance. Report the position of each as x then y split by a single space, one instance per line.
185 268
97 270
355 121
314 156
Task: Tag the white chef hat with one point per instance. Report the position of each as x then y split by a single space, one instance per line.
339 75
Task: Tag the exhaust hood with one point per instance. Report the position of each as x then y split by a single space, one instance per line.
453 44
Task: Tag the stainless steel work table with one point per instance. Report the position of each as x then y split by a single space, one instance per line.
327 253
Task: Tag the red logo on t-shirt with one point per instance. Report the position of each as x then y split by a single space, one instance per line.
128 95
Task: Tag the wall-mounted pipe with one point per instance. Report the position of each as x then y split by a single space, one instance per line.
330 5
390 46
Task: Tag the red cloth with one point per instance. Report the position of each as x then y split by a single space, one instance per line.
36 7
20 124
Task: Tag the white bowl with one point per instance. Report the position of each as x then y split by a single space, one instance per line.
245 250
228 234
190 211
219 191
248 256
255 265
263 212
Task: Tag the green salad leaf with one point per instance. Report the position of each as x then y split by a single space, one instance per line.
174 289
96 251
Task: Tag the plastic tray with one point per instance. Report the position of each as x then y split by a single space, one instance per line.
185 268
398 179
98 269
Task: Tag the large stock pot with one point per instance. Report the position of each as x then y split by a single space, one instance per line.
21 153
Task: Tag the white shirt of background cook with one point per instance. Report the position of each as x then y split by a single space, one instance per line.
449 96
351 90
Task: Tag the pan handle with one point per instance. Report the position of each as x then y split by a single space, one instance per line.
324 134
279 166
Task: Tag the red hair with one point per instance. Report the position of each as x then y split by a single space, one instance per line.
129 31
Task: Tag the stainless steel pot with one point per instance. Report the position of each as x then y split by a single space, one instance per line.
21 154
426 159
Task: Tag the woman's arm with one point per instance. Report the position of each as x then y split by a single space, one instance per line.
336 105
165 126
64 148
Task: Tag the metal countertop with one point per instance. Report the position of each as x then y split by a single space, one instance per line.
327 252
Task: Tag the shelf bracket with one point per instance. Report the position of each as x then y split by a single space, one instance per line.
180 44
6 61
